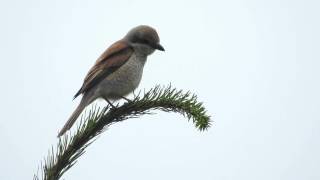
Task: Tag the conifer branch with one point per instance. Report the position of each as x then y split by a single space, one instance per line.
71 147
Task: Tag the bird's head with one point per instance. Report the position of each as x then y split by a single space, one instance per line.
144 39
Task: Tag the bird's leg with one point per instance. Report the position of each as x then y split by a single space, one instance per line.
112 106
128 100
134 94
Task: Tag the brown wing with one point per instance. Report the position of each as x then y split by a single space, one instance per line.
112 59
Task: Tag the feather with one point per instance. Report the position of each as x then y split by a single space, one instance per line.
111 60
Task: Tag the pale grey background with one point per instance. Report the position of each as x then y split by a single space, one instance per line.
254 64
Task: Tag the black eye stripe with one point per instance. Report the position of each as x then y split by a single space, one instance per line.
134 39
144 41
141 41
137 39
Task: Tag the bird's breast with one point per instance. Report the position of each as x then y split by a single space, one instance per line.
125 79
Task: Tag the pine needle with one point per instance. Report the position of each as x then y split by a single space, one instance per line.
71 147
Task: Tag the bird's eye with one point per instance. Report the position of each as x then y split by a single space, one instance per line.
144 41
134 39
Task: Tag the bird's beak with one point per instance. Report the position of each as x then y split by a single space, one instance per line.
159 47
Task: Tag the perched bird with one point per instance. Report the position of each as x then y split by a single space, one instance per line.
118 71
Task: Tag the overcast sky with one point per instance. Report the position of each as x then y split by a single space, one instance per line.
254 64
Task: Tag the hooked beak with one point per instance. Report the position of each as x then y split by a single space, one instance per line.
159 47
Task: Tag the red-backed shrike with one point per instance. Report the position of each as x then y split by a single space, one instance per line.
118 71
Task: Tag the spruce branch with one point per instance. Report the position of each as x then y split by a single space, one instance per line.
71 147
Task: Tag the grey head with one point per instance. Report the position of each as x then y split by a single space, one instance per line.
144 39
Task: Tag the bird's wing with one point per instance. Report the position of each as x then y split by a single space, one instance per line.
112 59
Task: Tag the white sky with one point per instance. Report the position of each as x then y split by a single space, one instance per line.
254 64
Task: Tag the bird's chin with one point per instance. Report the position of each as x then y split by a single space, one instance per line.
151 51
143 49
148 51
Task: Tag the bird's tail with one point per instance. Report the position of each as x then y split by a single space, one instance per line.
74 116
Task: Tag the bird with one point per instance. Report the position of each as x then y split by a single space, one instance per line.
118 71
